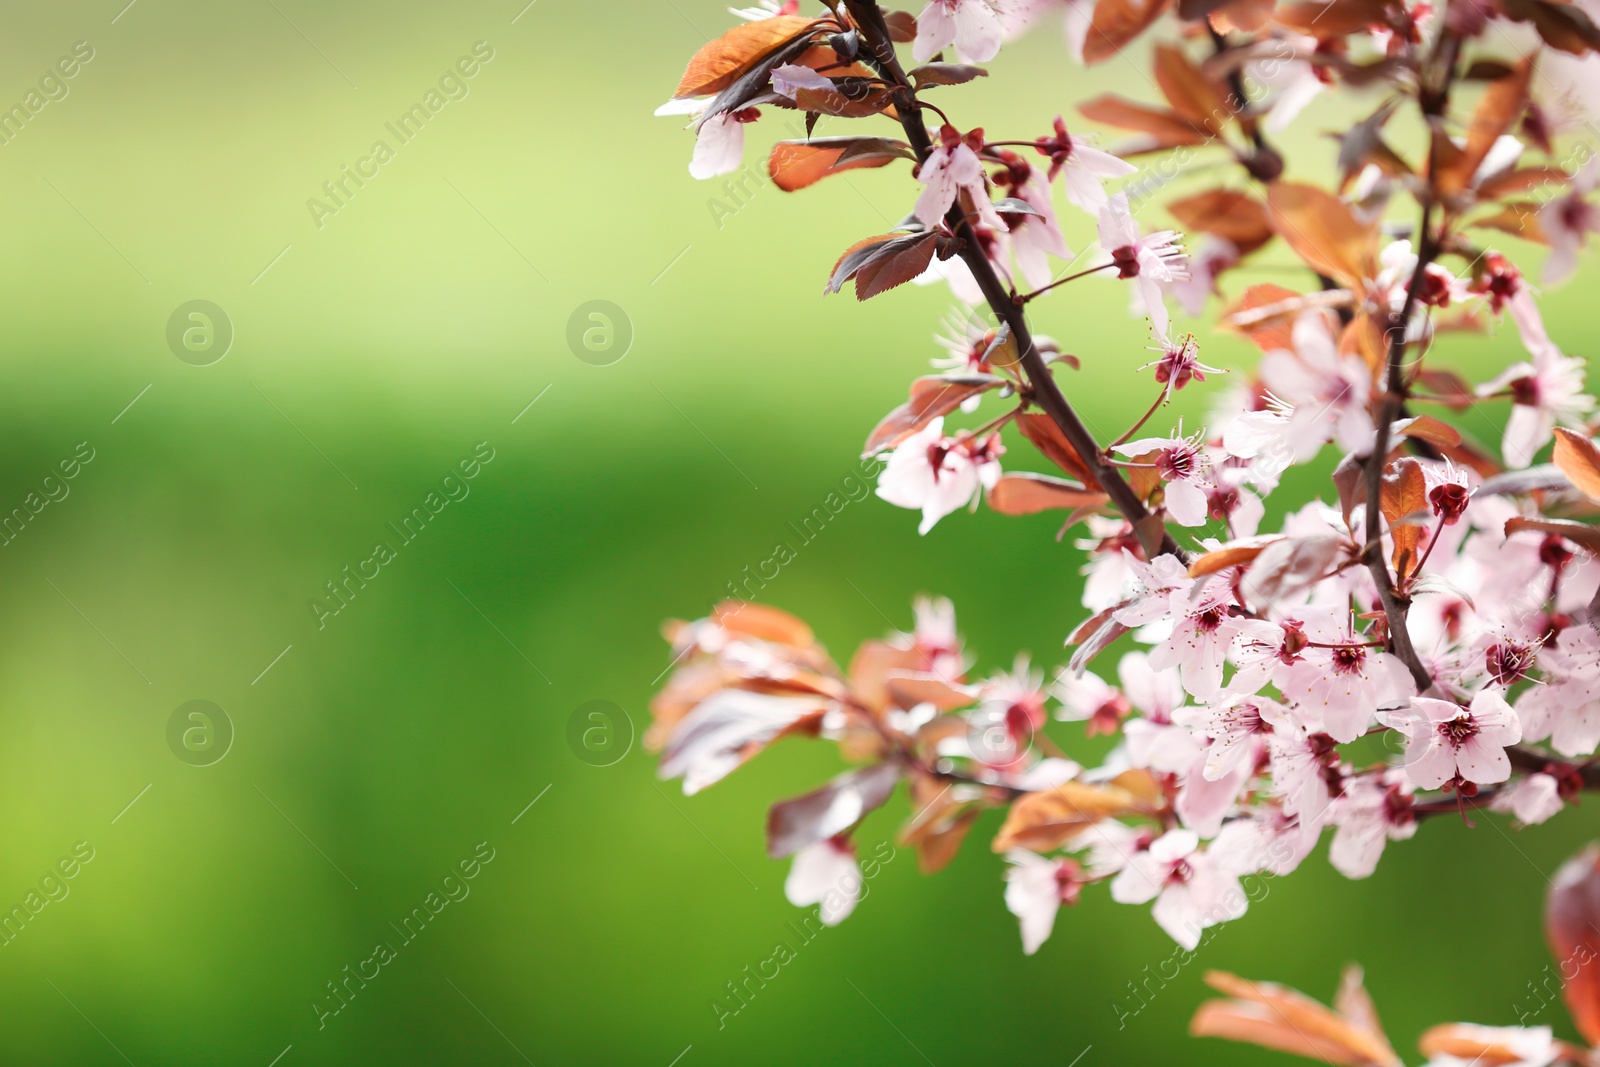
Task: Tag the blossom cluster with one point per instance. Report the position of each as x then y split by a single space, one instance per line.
1424 639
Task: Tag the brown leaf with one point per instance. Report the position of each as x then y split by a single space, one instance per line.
1047 437
885 260
907 689
902 26
1579 460
1025 493
1245 15
1520 180
1233 554
1046 820
1169 128
1324 231
1276 1017
940 824
1501 105
762 622
1540 478
931 396
1571 919
1092 636
797 164
1562 25
1429 429
717 65
1519 218
945 74
1117 22
1191 94
828 812
1335 18
1231 215
1579 533
1468 1044
1402 497
1265 314
1448 388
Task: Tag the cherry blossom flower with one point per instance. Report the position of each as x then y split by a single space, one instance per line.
950 169
1546 393
1153 260
1233 727
1565 706
1089 699
1347 685
1036 888
1201 635
1185 473
1447 742
1329 392
828 875
719 144
973 26
1374 810
1035 238
1567 222
1086 168
1532 799
1179 364
1213 256
937 474
766 10
1505 290
1191 889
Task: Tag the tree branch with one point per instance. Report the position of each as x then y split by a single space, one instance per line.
1046 393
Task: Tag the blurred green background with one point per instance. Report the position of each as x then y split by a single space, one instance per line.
371 355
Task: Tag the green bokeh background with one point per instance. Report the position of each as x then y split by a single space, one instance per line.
378 751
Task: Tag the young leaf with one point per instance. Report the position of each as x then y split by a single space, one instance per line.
1233 216
828 812
1403 497
797 164
1191 94
945 74
1324 231
1579 460
1025 493
1117 22
1572 928
719 63
865 252
1047 437
1276 1017
1045 820
931 396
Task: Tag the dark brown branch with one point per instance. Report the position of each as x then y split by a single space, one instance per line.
1045 392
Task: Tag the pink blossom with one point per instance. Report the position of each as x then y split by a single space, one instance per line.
1185 473
1448 742
1199 642
719 143
1328 390
938 475
1233 727
1037 237
1567 222
1191 889
1544 394
1375 809
1565 706
973 26
1152 260
1086 167
1532 799
825 874
1036 888
1347 685
953 168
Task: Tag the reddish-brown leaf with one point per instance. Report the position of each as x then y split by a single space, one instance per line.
1579 533
1047 437
1519 218
1169 128
827 812
720 62
1429 429
1324 231
931 396
763 622
1232 554
1562 25
1501 105
1579 460
1265 314
1024 493
1117 22
1404 496
797 164
1335 18
1045 820
1276 1017
1191 94
1231 215
1572 927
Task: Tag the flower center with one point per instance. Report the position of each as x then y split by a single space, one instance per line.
1349 659
1459 731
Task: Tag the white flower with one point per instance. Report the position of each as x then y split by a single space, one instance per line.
972 26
